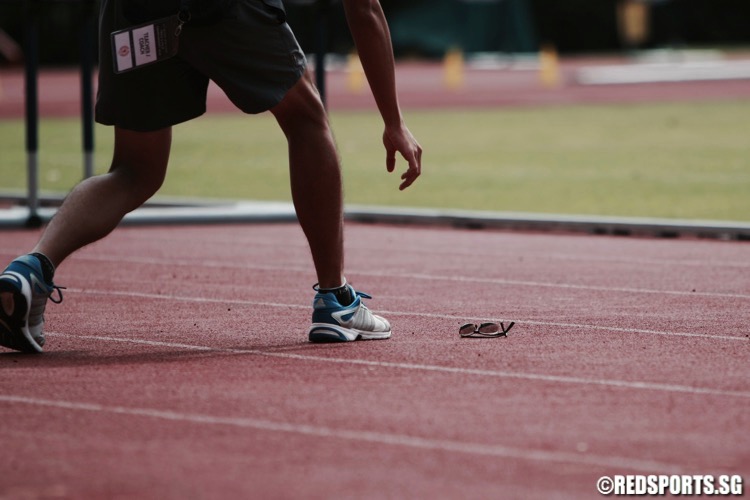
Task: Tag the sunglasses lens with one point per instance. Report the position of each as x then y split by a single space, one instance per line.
489 328
467 329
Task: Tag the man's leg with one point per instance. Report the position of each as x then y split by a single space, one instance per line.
97 205
315 178
91 211
339 315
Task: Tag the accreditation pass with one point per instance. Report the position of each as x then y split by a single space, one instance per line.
145 44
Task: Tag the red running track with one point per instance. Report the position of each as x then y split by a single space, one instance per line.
421 86
178 367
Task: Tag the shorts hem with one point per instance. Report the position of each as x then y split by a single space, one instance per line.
152 127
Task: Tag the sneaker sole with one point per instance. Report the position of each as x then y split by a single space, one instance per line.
14 332
325 332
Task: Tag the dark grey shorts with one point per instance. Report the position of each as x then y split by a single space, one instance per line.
250 53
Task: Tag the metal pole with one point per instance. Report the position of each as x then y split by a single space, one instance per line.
31 41
87 92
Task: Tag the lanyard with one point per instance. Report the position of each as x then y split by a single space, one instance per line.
183 16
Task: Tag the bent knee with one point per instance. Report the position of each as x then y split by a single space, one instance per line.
138 183
301 107
140 160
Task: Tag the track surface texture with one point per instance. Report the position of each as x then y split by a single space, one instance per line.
422 86
178 367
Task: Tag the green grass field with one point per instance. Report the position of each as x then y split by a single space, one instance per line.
656 160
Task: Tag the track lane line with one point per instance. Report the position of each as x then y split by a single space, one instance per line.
568 286
427 277
301 245
538 253
381 438
206 300
417 276
559 379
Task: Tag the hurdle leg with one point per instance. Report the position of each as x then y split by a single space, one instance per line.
87 87
31 41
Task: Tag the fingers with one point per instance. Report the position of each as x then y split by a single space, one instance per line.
414 171
390 158
408 177
405 144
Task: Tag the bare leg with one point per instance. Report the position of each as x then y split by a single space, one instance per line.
98 204
315 178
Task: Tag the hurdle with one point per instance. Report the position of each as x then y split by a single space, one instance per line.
31 12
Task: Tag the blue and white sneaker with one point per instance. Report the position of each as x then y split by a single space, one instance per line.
23 297
332 322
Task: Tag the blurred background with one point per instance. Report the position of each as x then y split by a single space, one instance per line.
633 108
430 28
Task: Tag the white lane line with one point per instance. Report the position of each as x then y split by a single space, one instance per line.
417 276
428 277
559 379
664 72
472 254
206 300
382 438
643 331
569 286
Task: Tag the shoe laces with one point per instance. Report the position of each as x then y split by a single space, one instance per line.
59 290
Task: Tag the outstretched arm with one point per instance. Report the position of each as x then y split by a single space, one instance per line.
373 40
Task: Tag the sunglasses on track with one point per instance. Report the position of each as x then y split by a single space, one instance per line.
485 330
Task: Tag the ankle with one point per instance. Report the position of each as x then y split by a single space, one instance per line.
343 293
48 268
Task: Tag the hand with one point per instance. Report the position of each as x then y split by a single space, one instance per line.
400 139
